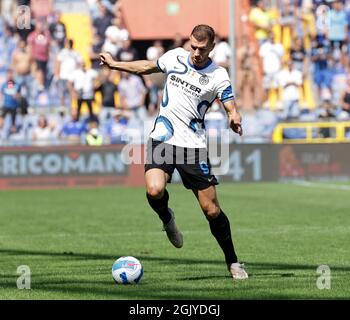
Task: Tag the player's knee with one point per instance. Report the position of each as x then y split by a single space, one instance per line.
155 191
211 210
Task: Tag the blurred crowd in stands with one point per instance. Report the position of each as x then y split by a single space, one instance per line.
301 49
48 90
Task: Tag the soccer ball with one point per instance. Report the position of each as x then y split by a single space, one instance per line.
127 270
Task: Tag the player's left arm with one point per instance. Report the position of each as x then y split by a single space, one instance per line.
234 117
224 92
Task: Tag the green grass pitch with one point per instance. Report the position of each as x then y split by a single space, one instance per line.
70 239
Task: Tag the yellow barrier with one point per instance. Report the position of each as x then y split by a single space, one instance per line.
312 132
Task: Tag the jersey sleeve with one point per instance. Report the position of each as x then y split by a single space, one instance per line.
164 62
224 88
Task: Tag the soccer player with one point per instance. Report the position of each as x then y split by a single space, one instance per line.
193 83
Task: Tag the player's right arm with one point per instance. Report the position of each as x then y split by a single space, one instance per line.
139 67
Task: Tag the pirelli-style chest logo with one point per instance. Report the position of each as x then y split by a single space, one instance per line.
204 80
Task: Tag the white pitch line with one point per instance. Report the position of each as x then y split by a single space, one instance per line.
322 186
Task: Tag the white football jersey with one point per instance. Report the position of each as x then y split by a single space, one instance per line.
188 94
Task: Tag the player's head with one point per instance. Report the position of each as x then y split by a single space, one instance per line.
202 42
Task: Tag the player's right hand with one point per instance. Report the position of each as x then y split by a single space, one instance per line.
106 59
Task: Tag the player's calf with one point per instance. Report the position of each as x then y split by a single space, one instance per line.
160 206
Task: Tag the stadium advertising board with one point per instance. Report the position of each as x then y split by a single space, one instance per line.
322 162
284 163
86 166
61 166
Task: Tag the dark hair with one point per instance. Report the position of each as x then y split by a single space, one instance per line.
203 32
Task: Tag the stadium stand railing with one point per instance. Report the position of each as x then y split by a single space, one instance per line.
312 132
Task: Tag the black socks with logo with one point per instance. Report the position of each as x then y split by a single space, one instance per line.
160 206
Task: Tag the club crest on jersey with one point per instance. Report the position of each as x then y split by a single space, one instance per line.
204 80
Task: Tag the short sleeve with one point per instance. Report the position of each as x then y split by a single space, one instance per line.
224 88
164 62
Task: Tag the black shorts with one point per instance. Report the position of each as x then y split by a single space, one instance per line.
192 164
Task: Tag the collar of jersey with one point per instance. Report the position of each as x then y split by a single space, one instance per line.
196 68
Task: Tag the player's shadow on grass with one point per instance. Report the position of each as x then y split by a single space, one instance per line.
69 284
97 256
271 267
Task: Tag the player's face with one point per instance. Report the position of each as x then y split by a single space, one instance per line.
200 51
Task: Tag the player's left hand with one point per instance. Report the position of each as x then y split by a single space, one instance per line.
235 120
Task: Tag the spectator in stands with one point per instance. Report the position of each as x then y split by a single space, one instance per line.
93 8
127 52
322 25
7 9
43 134
74 131
10 92
58 119
67 62
95 49
338 29
300 59
321 54
16 136
39 46
132 95
155 51
221 53
271 53
305 24
94 137
103 21
291 81
21 65
10 42
39 95
109 4
248 68
115 35
155 81
299 56
326 111
339 74
83 84
108 88
261 20
116 127
57 29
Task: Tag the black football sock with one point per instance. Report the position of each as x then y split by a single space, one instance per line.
220 229
161 206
